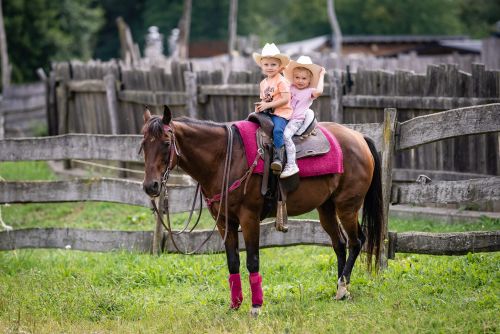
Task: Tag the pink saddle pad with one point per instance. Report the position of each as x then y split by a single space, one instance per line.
329 163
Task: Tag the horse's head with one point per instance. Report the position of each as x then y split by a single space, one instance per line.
159 150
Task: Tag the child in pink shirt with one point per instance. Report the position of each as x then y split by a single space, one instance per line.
307 84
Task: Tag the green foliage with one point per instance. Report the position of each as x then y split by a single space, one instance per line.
296 20
479 16
417 17
41 31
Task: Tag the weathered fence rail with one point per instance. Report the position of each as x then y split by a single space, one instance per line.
300 233
390 136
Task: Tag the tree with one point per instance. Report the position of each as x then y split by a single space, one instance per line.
3 52
41 31
233 19
132 12
479 16
335 27
184 28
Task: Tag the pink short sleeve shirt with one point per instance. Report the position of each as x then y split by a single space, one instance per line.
301 100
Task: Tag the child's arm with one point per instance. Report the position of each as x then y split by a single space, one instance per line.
321 84
285 98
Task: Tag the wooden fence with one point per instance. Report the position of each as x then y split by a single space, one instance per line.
23 110
389 136
105 98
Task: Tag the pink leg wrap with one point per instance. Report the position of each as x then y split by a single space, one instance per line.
256 287
236 292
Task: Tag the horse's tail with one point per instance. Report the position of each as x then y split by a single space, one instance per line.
373 210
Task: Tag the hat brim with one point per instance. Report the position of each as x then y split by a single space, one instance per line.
315 70
284 59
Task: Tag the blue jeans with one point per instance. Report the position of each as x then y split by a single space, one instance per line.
279 127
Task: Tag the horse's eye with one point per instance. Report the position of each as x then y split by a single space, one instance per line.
166 142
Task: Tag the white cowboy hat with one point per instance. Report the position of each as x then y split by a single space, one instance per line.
306 62
271 51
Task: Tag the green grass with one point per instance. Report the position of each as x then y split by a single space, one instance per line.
56 291
60 291
26 171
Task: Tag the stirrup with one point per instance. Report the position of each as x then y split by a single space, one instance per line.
281 218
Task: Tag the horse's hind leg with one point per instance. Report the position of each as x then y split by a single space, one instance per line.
328 219
349 220
233 261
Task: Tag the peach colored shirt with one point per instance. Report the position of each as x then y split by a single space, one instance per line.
271 90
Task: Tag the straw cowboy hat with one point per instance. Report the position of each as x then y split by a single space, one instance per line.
272 51
306 62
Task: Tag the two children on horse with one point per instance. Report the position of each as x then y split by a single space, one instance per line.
287 100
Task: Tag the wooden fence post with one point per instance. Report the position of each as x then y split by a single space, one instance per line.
112 101
158 233
191 93
389 133
2 123
63 112
110 85
52 116
337 112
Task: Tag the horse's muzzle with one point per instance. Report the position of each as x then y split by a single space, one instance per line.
151 188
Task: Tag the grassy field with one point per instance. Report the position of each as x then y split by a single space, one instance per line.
59 291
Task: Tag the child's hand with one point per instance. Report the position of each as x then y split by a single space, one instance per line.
323 71
261 106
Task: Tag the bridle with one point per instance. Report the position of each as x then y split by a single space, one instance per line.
223 196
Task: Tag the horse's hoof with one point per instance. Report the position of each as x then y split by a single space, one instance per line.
282 228
342 292
255 311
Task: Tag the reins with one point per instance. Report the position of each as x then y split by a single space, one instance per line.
222 197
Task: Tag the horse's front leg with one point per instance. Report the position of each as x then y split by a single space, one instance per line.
233 261
250 226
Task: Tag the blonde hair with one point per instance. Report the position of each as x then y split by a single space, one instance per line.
277 59
303 69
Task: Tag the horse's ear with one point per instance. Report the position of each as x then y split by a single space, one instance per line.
167 115
146 115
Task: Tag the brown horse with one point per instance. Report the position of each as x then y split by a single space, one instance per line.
200 149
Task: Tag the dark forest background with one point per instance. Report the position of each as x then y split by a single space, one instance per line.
41 31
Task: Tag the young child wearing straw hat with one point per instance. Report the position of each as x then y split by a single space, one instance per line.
307 84
275 97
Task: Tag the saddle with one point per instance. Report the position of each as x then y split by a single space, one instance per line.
310 143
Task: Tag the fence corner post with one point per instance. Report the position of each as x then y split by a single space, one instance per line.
389 133
191 93
337 112
158 233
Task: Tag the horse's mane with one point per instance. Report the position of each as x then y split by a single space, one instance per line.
193 121
154 126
